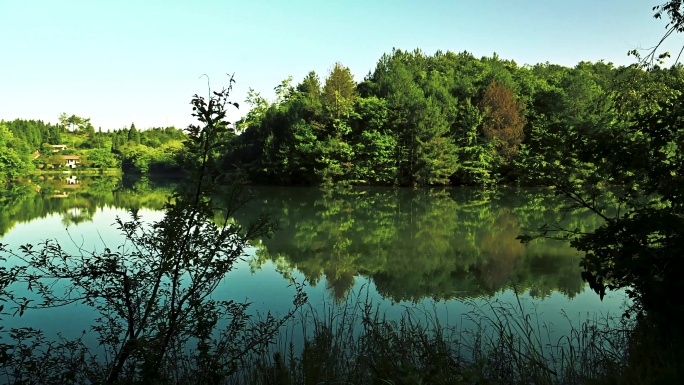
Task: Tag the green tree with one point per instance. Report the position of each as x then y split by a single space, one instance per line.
53 135
335 148
374 145
436 152
64 120
477 160
420 116
284 90
74 121
14 160
133 134
101 158
310 85
87 128
339 91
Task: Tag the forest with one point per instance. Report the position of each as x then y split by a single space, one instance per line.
416 120
445 119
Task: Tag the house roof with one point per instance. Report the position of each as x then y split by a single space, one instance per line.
67 157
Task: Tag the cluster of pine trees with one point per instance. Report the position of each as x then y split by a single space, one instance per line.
449 118
151 137
33 133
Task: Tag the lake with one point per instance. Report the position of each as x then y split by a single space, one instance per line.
437 251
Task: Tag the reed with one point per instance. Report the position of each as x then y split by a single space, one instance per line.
356 343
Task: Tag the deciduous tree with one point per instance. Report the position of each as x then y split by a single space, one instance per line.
503 119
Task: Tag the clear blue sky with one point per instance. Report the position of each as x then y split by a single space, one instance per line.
125 61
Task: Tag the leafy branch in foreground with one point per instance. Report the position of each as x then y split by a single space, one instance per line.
157 319
640 244
673 11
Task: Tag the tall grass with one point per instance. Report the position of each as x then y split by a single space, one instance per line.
356 343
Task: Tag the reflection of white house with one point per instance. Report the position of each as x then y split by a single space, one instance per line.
71 182
74 212
71 160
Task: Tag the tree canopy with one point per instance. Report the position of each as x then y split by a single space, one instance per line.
442 119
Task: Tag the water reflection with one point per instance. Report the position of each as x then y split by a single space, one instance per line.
413 244
77 198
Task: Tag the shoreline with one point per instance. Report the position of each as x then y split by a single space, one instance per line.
92 171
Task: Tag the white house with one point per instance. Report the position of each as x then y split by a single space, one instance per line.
71 160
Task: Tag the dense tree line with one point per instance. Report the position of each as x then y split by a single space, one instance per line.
449 118
416 120
154 149
14 154
151 137
25 145
34 132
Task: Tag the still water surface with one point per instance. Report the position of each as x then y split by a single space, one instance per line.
439 251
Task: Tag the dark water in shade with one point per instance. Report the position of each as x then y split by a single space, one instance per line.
437 251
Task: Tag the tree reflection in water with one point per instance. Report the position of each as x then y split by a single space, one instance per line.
413 244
